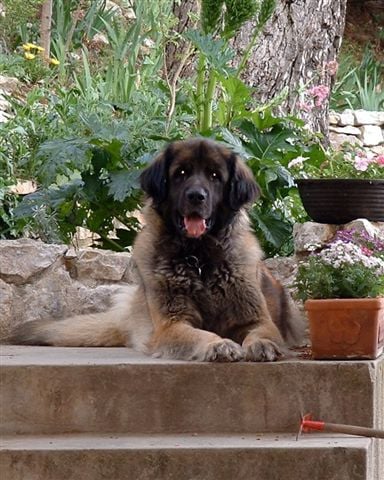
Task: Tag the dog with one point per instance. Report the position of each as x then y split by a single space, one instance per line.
203 292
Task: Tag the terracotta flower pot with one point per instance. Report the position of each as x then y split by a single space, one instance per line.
339 201
346 328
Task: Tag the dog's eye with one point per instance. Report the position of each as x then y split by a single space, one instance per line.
180 173
214 176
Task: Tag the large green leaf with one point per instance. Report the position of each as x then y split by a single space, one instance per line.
123 183
62 157
216 51
272 226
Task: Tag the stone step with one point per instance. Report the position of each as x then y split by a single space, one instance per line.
47 390
184 457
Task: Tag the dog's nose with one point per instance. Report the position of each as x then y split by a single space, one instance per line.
196 195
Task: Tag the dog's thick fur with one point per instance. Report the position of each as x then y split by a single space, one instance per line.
204 293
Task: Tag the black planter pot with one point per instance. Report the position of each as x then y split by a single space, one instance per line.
339 201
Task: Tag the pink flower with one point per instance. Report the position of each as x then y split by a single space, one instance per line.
363 159
366 251
380 159
361 163
319 93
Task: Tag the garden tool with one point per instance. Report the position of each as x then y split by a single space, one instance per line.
308 425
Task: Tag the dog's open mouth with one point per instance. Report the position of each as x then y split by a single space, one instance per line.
195 226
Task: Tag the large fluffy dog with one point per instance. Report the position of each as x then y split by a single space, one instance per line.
203 292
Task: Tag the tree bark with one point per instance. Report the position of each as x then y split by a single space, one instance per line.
176 48
45 28
293 52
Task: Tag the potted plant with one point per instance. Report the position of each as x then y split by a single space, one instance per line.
342 286
339 187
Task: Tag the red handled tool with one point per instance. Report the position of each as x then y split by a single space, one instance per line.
308 425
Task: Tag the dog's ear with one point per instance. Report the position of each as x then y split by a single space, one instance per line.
243 188
154 178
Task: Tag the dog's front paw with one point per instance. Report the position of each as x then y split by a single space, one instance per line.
224 351
262 350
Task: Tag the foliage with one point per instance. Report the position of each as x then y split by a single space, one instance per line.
268 144
52 136
16 15
359 86
220 21
85 125
350 266
89 181
349 162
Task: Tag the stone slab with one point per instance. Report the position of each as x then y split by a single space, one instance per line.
49 390
197 457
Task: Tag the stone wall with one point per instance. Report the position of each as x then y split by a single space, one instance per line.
44 281
41 281
359 127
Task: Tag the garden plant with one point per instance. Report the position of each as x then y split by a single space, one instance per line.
83 125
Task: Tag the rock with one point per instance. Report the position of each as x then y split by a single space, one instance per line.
337 140
346 118
310 235
4 117
374 229
23 187
4 103
22 259
40 281
283 268
9 84
100 38
378 150
114 7
348 130
6 299
364 117
102 265
371 135
334 118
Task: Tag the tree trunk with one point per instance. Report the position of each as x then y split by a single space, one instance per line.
45 28
177 49
294 52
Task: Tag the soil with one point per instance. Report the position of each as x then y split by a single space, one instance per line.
364 26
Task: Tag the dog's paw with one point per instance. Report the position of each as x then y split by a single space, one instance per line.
224 351
262 350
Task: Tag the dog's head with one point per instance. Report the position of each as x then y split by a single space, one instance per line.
197 185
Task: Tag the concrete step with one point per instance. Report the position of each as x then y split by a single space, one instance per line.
47 390
182 457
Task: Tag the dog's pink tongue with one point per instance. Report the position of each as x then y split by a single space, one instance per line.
195 226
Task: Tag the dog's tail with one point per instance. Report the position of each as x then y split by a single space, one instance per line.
107 329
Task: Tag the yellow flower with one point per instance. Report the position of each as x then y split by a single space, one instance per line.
31 46
29 56
53 61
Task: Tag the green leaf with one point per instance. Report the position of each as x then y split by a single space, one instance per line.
236 98
62 157
237 13
267 8
274 229
123 183
211 11
216 51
